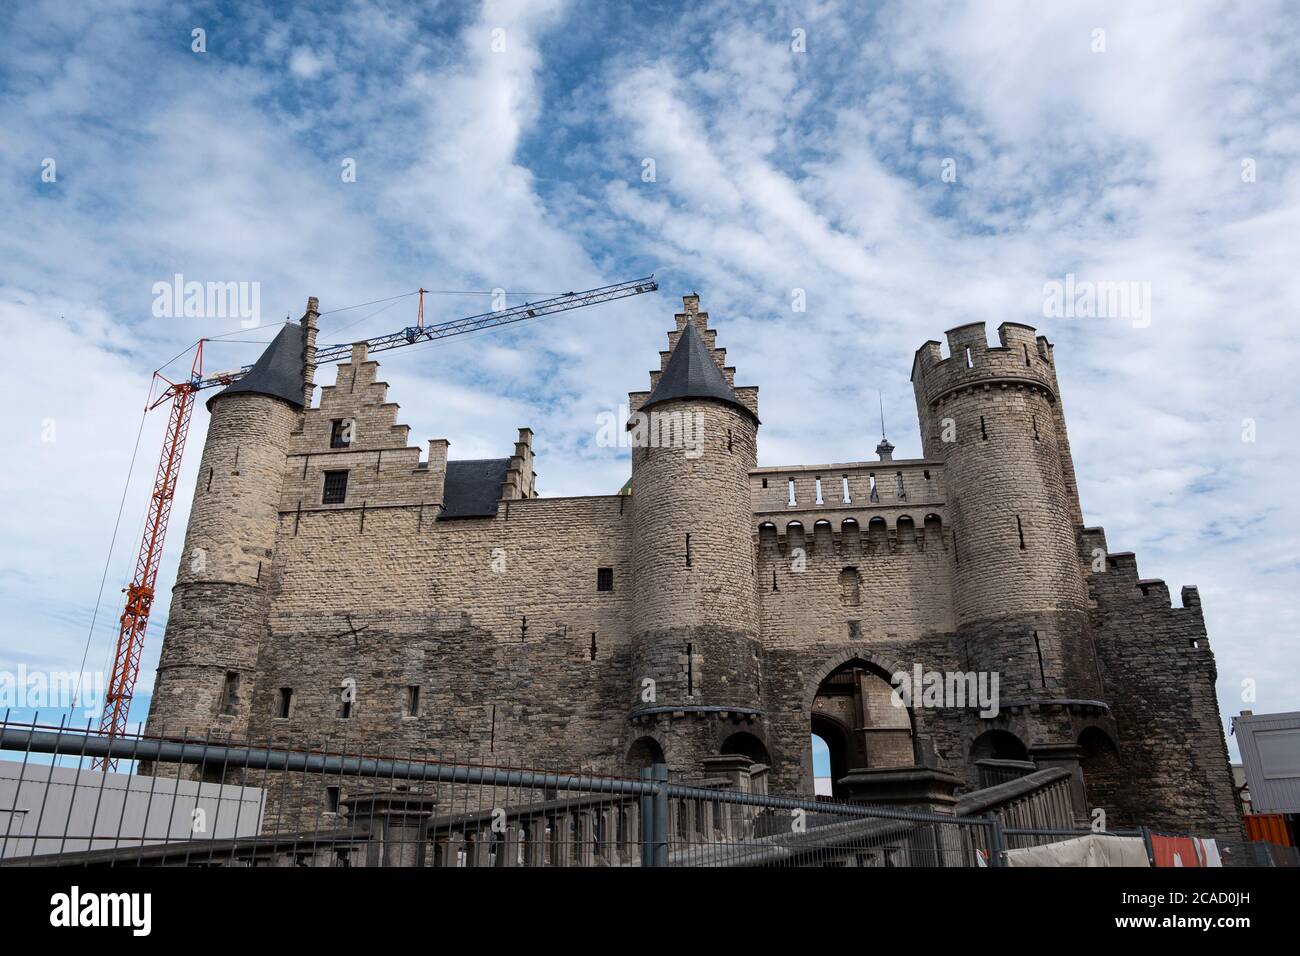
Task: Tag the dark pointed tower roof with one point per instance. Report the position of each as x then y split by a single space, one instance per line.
278 373
692 373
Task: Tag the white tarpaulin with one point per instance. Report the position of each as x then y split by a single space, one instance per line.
1095 849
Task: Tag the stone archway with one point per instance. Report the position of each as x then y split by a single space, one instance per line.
836 738
852 710
643 752
747 745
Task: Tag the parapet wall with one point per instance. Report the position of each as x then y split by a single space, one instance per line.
1159 675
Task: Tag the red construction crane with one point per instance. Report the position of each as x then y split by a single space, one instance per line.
140 593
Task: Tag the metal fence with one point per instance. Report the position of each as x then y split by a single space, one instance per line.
212 802
207 802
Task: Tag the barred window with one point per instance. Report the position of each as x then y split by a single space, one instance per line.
336 487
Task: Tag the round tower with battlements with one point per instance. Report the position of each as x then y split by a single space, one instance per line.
992 416
696 663
221 600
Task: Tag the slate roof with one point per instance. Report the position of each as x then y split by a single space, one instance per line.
692 373
278 373
473 488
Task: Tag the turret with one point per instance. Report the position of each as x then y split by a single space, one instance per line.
221 599
992 416
696 660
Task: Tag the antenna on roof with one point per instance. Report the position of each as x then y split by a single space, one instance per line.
885 450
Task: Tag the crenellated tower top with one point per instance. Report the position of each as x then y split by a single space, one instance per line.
1019 358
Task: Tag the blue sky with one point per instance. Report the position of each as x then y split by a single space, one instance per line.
521 167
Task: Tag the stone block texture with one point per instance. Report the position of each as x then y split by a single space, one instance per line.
720 607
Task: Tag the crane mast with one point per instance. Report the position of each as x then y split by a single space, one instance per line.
140 593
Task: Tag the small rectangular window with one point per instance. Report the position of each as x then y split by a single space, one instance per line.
230 695
285 703
336 488
331 799
604 579
413 700
341 433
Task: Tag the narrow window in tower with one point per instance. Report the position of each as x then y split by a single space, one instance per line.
764 482
926 474
230 695
791 501
284 704
902 490
690 670
774 587
413 700
845 489
340 433
1020 531
593 645
345 702
1026 348
871 483
728 439
818 482
688 550
970 362
956 555
1035 421
209 487
604 579
1038 648
983 431
336 488
331 799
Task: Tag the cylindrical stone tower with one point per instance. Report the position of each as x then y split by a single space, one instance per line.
220 602
991 415
696 664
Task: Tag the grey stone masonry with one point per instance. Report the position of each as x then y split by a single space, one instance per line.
328 595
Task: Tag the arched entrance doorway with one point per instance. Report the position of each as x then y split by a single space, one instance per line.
643 752
855 718
746 745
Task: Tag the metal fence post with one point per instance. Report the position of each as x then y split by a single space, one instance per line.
1148 845
654 817
997 842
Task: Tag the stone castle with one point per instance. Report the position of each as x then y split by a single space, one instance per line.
340 588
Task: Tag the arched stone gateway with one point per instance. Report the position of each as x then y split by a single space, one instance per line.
747 745
643 752
853 712
998 745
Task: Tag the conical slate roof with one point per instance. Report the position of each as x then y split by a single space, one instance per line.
692 373
278 373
